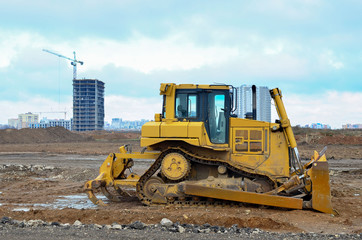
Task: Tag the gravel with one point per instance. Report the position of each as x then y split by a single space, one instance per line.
38 229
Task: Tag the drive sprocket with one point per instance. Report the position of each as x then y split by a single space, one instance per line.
175 166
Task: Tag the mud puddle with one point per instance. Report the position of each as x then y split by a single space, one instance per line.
79 201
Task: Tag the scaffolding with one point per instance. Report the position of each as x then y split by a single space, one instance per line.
88 105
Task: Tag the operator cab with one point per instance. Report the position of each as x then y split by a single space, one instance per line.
211 106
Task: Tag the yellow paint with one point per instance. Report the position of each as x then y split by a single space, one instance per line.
175 166
174 129
321 193
193 133
151 129
240 196
277 96
266 151
145 142
137 155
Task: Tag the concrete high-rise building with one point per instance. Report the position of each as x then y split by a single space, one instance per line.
88 105
263 102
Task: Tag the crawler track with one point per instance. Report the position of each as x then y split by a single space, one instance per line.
194 158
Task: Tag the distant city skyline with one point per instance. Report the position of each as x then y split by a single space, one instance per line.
32 121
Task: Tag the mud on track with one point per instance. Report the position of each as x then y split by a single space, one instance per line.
48 186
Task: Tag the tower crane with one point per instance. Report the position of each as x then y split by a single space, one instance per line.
73 61
65 113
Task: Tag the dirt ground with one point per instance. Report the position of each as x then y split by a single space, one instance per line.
44 180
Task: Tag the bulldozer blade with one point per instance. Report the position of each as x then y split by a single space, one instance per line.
321 192
239 196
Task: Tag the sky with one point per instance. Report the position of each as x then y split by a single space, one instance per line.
311 50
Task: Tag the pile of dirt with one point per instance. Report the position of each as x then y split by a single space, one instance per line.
327 137
112 136
40 135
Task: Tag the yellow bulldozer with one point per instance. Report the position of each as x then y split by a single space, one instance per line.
205 155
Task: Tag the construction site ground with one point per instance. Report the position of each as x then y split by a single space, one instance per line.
42 173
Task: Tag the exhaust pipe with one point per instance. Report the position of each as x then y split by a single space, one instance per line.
253 88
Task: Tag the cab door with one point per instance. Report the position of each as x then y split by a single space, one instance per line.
217 116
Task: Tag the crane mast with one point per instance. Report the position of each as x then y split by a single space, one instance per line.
73 62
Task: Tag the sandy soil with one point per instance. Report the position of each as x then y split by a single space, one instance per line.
45 181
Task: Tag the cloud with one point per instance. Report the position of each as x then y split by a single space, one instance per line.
145 54
12 43
131 108
293 10
43 106
329 58
330 107
140 53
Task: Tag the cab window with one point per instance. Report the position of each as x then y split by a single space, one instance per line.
186 105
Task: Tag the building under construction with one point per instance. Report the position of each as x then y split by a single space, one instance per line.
88 104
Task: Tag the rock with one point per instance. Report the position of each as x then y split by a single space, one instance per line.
108 226
116 227
4 220
166 222
38 167
34 223
215 228
234 226
188 225
21 224
172 229
55 224
247 230
206 225
181 229
49 168
247 211
15 222
20 167
185 216
77 223
97 226
138 225
66 225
